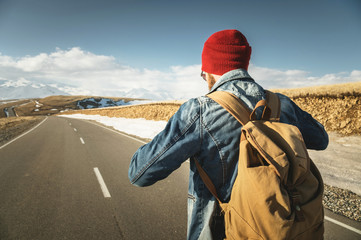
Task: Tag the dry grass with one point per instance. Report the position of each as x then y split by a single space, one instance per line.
14 126
14 121
337 107
336 90
150 111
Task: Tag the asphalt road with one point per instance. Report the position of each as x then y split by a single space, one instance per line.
10 112
51 187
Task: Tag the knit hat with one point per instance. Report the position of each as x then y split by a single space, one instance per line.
225 51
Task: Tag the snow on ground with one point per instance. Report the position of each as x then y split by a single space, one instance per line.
137 127
339 164
106 102
37 104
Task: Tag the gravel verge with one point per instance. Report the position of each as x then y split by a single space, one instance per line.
343 202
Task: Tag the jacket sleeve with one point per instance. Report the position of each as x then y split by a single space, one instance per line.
169 149
313 132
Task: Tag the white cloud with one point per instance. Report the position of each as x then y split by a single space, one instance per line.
103 75
274 78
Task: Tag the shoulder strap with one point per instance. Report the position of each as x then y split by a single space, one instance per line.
232 104
240 111
206 180
274 104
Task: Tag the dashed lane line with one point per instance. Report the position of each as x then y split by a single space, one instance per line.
23 134
102 183
82 140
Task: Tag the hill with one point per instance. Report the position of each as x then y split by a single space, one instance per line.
57 104
337 107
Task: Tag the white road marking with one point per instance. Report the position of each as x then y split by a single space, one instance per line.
82 141
75 130
343 225
23 134
69 124
102 183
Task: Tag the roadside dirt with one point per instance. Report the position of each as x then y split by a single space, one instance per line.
338 114
14 126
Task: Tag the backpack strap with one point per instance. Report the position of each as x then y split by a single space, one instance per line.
240 111
232 104
271 110
274 104
206 180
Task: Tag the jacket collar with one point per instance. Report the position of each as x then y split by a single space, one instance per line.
237 74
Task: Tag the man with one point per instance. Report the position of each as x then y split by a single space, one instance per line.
201 129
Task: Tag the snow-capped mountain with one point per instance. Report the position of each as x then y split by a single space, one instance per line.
146 94
98 103
23 88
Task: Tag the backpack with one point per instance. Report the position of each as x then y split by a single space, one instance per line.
277 193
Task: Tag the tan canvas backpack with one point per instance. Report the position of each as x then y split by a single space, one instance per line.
278 190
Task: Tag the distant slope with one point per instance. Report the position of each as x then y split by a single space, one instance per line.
11 90
344 89
337 107
22 88
56 104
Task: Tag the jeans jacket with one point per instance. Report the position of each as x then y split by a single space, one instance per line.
201 129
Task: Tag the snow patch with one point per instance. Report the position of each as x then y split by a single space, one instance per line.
105 102
138 127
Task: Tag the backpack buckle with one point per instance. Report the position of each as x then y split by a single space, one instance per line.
295 198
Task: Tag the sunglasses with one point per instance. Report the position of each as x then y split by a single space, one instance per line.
203 75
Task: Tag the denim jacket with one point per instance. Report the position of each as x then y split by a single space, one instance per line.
201 129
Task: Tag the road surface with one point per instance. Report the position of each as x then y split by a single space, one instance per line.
67 179
10 112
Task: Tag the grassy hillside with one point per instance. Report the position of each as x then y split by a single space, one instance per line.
337 107
336 90
150 111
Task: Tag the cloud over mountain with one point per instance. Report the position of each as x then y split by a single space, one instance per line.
22 88
75 71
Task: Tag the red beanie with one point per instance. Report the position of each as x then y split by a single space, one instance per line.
225 51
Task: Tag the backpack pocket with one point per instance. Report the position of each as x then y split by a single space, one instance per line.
236 227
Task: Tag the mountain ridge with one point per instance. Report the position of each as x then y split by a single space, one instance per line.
23 89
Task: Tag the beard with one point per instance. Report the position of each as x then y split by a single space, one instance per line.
210 80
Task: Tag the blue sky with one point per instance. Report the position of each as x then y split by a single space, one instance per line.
309 40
